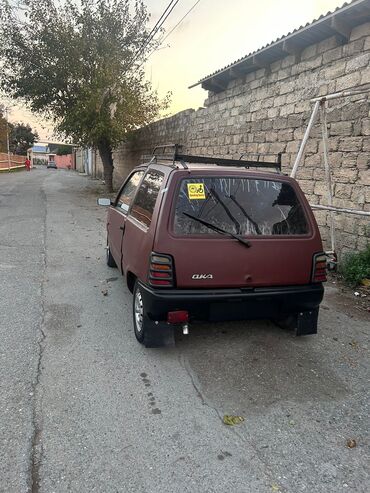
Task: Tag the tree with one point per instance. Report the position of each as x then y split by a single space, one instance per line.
63 150
79 62
21 138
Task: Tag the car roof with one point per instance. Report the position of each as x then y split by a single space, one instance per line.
168 167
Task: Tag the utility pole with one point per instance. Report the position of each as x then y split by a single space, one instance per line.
7 137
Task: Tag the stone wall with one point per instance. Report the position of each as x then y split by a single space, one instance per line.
267 111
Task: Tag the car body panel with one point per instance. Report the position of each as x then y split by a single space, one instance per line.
270 260
116 220
133 246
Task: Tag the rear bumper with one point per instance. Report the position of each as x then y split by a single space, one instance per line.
232 304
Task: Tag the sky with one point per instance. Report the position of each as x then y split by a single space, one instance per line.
214 34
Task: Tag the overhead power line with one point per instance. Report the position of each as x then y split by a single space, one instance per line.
156 28
157 25
180 21
173 29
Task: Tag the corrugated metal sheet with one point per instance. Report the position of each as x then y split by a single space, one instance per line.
333 23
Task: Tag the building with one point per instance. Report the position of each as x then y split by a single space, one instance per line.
38 154
42 153
87 162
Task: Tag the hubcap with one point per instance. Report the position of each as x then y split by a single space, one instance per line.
139 311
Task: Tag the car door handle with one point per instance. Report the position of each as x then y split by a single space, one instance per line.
122 228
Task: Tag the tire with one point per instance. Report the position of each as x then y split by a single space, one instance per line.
110 260
151 334
138 314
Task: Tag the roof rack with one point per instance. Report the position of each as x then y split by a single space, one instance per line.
175 156
183 158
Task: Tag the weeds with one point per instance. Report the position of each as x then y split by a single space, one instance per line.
355 267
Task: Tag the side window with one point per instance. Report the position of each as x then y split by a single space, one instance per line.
127 193
146 197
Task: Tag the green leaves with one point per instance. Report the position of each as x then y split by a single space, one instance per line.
76 63
355 267
21 138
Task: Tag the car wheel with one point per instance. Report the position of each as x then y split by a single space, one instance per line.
138 314
148 332
110 260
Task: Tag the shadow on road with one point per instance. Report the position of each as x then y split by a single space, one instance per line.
252 365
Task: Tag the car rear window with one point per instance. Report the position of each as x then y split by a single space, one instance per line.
243 206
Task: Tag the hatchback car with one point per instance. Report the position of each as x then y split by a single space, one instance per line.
202 238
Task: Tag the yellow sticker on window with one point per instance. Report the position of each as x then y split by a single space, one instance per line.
196 191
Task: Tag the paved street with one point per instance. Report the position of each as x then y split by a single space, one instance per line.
85 408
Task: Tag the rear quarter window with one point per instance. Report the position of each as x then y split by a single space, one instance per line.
243 206
146 197
128 191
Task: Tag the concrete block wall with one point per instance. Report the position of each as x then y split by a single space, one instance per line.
267 111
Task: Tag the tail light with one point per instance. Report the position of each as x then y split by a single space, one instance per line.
319 268
161 271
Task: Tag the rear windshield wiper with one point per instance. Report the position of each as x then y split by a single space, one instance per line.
256 227
226 209
218 230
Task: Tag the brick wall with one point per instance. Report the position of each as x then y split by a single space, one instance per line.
267 111
65 161
15 161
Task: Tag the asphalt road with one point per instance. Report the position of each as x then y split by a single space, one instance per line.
85 408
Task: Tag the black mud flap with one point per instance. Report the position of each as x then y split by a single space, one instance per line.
158 334
307 322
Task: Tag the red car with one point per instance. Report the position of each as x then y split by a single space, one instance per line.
202 238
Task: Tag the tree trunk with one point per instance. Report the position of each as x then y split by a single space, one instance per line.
105 151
